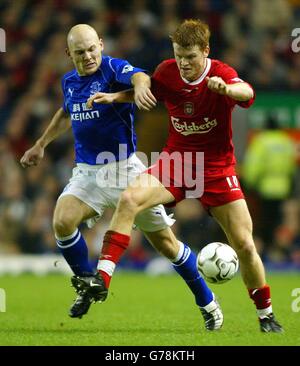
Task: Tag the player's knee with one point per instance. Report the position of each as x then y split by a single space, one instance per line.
128 202
245 248
64 225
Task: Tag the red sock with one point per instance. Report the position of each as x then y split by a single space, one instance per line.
261 297
114 245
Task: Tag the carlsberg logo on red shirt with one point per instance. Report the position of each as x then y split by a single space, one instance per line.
189 128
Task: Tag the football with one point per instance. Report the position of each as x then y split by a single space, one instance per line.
217 262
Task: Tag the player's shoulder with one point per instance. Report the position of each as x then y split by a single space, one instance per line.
69 76
218 66
166 66
107 62
113 65
112 62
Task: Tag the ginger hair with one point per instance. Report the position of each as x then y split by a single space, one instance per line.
190 33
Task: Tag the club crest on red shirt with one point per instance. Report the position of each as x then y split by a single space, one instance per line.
189 108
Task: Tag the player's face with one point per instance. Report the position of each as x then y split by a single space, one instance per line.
190 61
86 55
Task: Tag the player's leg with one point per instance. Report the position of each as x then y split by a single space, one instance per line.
235 220
68 214
184 262
144 192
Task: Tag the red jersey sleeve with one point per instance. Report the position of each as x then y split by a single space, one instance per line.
230 76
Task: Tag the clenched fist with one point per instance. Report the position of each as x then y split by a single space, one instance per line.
32 156
217 85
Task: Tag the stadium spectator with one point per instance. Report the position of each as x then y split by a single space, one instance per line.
102 172
200 95
285 249
269 169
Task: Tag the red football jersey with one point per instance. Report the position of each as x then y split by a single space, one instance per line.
199 119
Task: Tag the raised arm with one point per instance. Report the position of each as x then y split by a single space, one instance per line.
58 125
241 92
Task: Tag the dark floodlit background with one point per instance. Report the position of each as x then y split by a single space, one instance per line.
253 36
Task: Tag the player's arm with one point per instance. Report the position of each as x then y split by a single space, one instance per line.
141 94
241 92
124 96
143 97
59 124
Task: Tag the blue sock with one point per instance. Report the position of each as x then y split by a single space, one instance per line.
185 265
74 249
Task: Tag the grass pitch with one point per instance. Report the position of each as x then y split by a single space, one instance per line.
141 310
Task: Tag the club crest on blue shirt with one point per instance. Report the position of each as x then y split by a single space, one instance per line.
127 68
96 87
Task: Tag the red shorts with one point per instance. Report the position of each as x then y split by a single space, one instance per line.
216 186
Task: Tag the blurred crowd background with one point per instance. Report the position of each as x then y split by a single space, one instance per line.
253 36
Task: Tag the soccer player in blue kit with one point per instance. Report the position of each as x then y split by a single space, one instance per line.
105 144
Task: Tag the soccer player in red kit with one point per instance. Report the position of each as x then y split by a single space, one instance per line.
199 94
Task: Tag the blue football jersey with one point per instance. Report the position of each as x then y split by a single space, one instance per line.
104 132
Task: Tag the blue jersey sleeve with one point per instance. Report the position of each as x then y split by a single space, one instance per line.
124 71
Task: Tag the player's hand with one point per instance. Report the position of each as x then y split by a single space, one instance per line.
144 99
217 85
100 98
32 156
